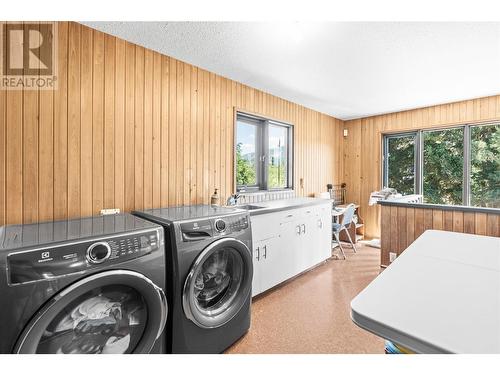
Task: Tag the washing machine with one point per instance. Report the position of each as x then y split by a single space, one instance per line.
91 285
209 276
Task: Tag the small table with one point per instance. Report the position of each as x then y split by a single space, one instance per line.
442 295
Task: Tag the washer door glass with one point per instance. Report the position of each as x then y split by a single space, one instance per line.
116 311
219 283
108 319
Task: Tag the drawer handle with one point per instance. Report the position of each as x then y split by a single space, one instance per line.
265 251
289 215
297 229
303 229
258 254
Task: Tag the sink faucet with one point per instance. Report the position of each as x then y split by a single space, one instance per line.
233 200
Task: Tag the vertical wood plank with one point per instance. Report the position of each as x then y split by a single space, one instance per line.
437 219
179 169
30 153
74 130
193 138
14 157
458 221
410 225
448 220
86 102
119 125
109 122
419 222
157 151
200 142
186 119
98 124
428 220
165 144
394 229
493 225
148 129
385 235
480 223
402 222
46 149
469 222
139 128
129 128
60 196
172 132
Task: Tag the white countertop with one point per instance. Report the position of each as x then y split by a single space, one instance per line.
442 295
284 204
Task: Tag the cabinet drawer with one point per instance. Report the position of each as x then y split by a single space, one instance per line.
264 227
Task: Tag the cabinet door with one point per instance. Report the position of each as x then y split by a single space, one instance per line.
323 234
310 241
257 269
273 259
264 226
291 241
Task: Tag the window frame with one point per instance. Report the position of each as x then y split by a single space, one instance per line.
262 146
419 150
385 166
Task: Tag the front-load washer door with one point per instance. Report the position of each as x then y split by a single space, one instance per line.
218 284
110 312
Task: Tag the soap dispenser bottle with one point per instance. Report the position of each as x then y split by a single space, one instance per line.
215 200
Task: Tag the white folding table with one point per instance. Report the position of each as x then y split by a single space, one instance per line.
441 295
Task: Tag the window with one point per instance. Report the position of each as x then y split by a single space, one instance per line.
263 154
443 166
400 162
454 166
485 166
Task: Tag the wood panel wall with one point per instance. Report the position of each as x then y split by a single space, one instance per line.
131 128
403 225
362 146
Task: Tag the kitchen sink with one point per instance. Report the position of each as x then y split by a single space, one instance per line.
249 207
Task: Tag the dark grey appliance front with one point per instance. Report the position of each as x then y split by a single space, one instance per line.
209 276
91 285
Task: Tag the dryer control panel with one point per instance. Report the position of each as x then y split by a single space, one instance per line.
196 230
50 262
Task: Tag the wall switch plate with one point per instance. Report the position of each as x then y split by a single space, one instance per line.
110 211
392 257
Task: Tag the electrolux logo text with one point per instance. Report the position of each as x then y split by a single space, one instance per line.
28 55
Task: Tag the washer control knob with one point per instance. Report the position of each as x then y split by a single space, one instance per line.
220 225
98 252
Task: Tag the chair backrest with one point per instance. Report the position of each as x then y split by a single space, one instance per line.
348 215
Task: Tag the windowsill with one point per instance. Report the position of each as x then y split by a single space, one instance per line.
445 207
248 192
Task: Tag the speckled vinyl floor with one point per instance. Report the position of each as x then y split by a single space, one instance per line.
311 314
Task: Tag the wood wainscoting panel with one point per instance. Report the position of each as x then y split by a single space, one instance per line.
130 128
401 225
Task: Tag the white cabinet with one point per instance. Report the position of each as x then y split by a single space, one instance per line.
288 242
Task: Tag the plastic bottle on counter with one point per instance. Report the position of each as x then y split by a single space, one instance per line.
215 200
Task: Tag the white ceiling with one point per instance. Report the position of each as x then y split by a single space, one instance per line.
348 70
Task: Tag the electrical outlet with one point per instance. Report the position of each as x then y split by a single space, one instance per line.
392 257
